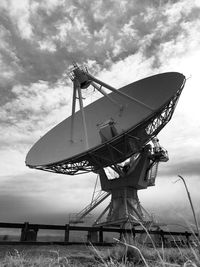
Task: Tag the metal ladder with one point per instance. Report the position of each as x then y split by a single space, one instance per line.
93 204
153 173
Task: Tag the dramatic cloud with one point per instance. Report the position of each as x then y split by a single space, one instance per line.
120 41
41 40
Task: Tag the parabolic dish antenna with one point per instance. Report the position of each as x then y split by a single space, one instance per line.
112 128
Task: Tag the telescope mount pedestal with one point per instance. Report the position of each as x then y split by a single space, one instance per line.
139 173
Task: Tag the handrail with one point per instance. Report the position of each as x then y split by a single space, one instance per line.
96 201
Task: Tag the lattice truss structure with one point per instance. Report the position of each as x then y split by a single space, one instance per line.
119 148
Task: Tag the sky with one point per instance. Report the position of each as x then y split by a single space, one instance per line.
120 41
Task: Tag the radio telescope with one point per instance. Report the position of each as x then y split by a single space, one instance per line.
118 132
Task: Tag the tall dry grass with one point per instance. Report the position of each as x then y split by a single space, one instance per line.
137 255
120 255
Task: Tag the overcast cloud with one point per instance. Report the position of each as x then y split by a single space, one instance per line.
120 41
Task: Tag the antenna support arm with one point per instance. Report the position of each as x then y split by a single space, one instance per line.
90 77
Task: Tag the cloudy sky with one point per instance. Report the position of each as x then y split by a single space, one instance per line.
120 41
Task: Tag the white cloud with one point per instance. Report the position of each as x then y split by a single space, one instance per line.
13 161
64 30
4 4
51 5
47 45
177 11
34 111
20 14
125 71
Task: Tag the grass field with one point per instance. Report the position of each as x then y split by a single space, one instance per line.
120 255
45 256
